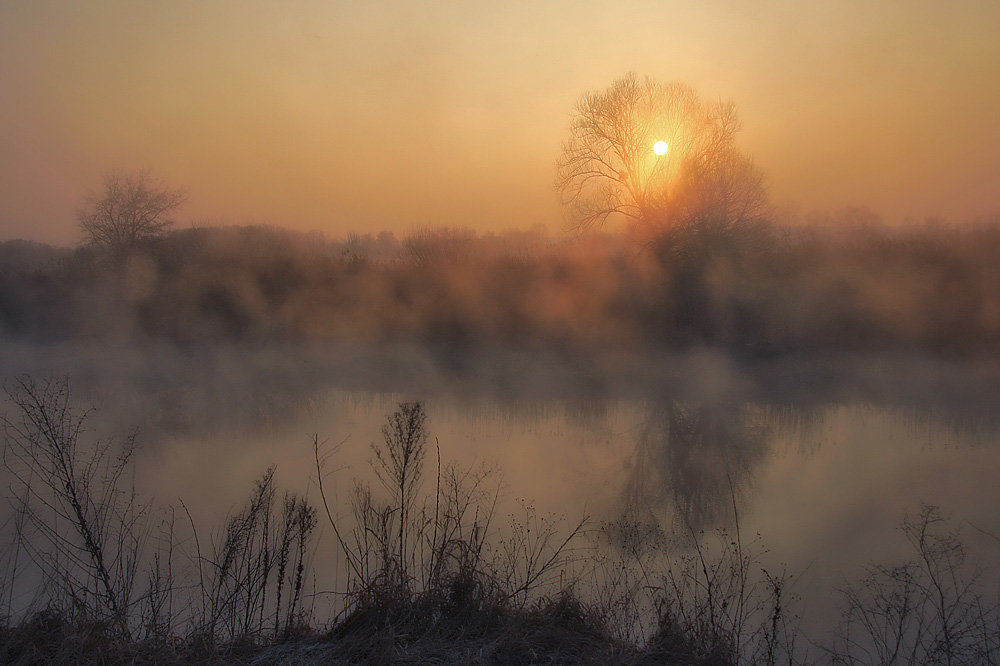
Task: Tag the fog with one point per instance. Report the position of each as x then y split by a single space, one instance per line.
759 291
423 308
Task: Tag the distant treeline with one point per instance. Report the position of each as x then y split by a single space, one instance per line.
850 284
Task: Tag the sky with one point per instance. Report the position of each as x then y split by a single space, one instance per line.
368 116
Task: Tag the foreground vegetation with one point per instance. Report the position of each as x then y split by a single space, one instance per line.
429 573
847 283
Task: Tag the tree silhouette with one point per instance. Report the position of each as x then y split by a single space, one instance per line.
694 459
615 163
132 209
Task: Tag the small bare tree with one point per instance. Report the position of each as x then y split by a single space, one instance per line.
658 155
132 209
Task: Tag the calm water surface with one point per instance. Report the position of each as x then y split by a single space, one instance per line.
822 470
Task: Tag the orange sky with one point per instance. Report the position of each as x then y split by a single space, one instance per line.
363 116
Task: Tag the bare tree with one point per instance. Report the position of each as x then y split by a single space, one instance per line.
133 208
658 155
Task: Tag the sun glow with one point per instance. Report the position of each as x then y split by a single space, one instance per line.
660 147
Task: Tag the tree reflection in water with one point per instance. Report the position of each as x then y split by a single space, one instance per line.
692 461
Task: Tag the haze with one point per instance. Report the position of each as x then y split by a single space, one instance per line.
368 116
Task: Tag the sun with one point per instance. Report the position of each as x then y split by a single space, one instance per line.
660 147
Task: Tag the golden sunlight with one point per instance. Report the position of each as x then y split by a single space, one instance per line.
660 147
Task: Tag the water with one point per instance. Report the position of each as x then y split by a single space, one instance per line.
821 463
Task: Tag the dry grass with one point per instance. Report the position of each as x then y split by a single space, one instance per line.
430 576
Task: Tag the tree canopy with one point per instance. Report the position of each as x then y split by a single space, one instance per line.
132 209
659 156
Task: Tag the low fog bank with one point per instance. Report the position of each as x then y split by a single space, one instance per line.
757 291
220 327
161 388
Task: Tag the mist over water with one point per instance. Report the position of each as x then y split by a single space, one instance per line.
823 470
795 391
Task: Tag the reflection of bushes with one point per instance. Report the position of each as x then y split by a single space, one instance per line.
694 597
757 290
692 459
